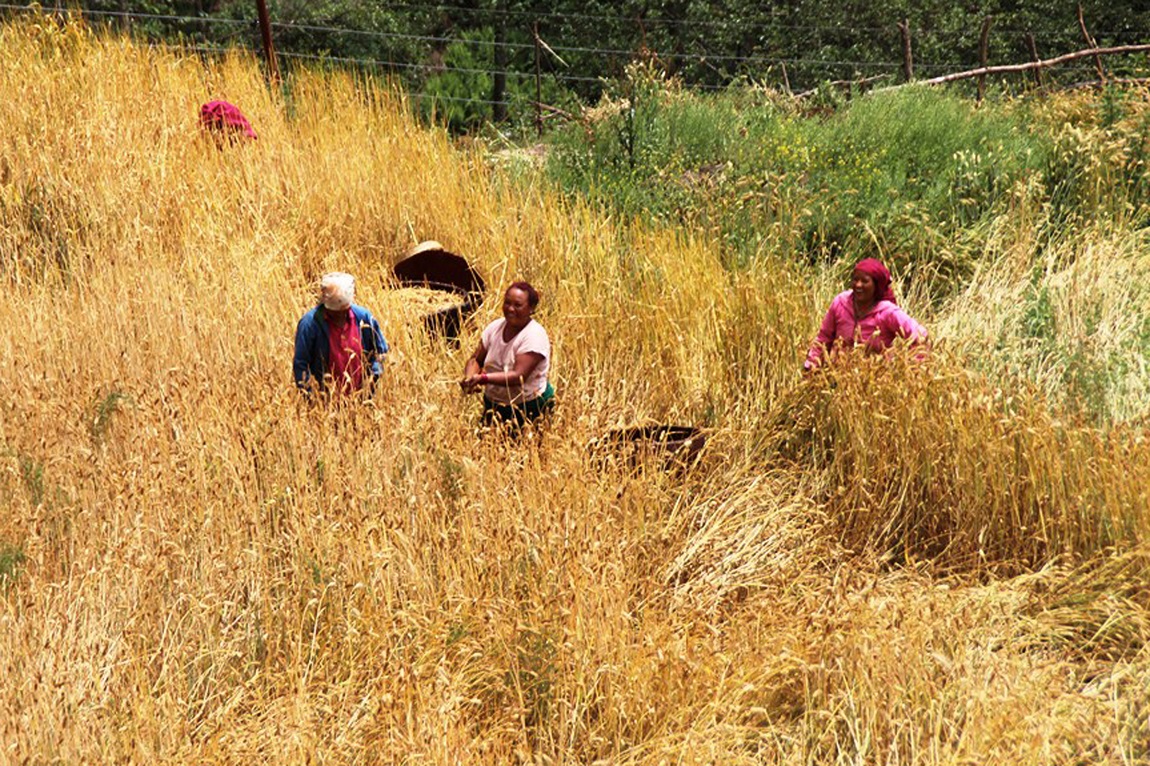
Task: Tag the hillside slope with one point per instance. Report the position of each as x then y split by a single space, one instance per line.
894 563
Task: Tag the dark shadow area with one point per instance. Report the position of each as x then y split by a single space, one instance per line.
676 446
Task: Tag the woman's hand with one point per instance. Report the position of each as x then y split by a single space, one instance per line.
471 383
473 375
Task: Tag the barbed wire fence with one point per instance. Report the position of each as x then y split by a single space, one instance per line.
463 72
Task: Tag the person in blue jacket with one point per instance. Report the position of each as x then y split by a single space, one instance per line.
339 348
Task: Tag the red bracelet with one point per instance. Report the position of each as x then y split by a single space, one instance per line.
483 378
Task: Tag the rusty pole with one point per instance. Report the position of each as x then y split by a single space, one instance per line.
983 52
907 56
1033 46
538 83
266 34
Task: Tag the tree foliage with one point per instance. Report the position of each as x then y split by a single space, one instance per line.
796 44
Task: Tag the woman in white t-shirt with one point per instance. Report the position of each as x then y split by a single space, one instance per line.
512 361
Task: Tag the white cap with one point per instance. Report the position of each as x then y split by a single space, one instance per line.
337 290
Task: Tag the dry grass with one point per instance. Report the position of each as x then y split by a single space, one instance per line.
891 565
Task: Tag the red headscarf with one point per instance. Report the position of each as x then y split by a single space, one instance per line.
874 269
225 118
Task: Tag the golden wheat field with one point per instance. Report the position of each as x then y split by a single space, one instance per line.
898 563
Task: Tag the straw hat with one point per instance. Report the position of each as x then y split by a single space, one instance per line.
428 245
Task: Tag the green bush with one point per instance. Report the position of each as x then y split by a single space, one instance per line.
459 94
899 172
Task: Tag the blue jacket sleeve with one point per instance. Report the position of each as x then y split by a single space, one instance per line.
381 345
300 365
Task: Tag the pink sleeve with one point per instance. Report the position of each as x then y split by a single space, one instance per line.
903 326
822 341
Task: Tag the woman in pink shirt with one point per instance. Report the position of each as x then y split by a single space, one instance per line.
867 314
512 361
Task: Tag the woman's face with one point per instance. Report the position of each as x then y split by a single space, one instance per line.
516 309
862 285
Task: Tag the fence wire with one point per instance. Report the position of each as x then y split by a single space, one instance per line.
419 74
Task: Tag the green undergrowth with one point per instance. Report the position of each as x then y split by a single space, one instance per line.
917 175
900 172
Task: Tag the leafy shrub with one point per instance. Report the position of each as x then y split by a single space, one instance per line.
897 173
458 94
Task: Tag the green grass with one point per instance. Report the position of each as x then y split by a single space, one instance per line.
901 173
11 563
